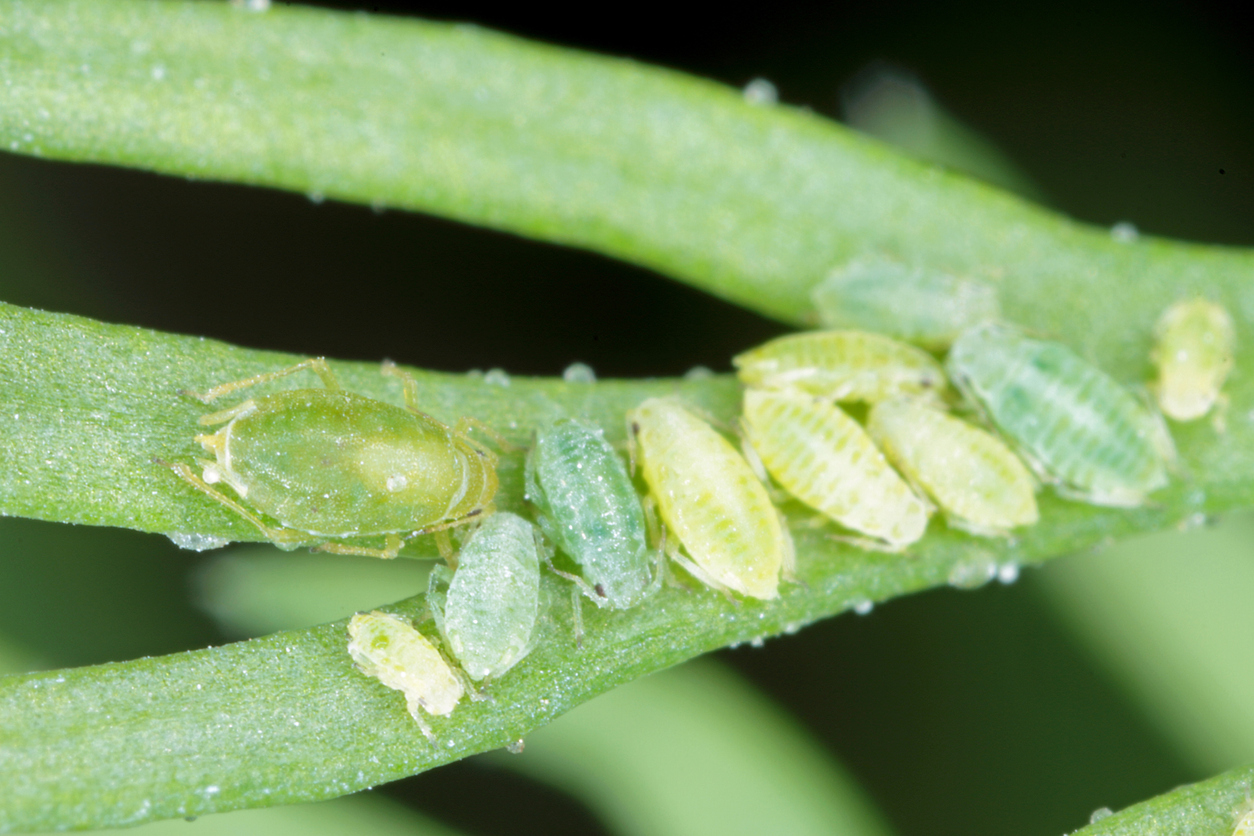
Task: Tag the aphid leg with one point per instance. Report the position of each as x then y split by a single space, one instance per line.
789 563
445 547
656 532
285 538
867 544
672 551
633 429
225 415
755 464
318 365
580 588
1162 440
465 424
415 711
391 549
576 614
1219 417
440 575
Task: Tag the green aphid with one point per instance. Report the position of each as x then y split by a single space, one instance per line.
1072 422
328 466
977 480
824 458
590 510
1195 341
388 648
921 305
841 366
487 609
710 500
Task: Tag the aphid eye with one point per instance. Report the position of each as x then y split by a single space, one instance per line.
635 428
600 588
476 512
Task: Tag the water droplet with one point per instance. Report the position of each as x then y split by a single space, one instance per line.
1125 232
757 641
378 206
698 373
496 377
158 72
1008 572
973 572
792 628
759 91
316 197
252 5
863 607
1099 814
198 542
1192 521
516 748
579 373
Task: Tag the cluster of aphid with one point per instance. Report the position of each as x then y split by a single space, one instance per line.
329 465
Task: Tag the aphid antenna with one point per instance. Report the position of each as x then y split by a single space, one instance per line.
285 538
673 552
317 365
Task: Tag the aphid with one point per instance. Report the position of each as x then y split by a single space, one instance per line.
328 465
487 609
821 456
1194 344
389 649
975 478
841 366
918 304
1075 425
590 510
710 500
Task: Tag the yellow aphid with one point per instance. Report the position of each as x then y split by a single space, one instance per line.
389 649
710 500
1194 344
841 366
1245 825
821 456
975 478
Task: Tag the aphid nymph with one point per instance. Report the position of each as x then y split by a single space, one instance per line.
824 458
328 466
918 304
389 649
1195 341
841 366
1072 422
487 609
977 481
710 500
589 508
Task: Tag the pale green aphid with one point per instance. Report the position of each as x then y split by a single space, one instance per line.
389 649
976 480
1194 345
824 458
1245 824
328 465
487 609
841 366
915 303
1072 422
710 500
589 508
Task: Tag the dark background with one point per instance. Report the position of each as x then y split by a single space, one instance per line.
962 713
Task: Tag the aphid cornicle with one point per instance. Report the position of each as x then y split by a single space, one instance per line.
977 481
841 366
1072 422
1194 345
710 500
388 648
486 610
328 465
915 303
590 510
824 458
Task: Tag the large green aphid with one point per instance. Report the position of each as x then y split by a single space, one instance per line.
916 303
322 467
590 510
1072 422
487 609
841 366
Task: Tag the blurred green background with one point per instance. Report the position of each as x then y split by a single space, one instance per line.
1020 708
